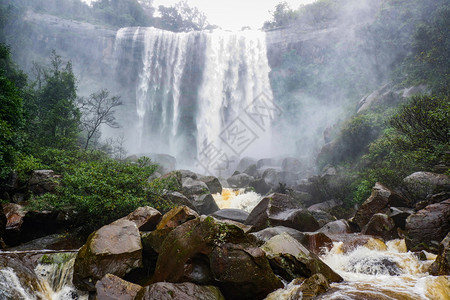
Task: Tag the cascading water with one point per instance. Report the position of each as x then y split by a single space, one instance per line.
183 89
51 278
378 271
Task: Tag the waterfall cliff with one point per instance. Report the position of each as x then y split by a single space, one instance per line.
182 90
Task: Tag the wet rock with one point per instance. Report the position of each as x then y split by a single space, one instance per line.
194 187
43 181
188 173
212 183
114 249
111 287
378 202
181 291
260 186
427 227
419 185
351 241
271 176
302 197
240 180
266 162
176 216
233 214
244 163
288 178
3 221
290 259
291 164
271 207
179 199
240 269
264 235
336 227
322 217
252 171
146 218
56 241
311 287
399 216
326 206
382 226
205 204
441 265
317 242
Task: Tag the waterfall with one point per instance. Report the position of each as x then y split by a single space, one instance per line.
51 278
182 90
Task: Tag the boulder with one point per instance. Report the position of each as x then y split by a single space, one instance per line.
252 171
114 249
176 216
240 180
260 186
267 162
291 164
441 265
3 221
378 202
382 226
271 176
419 185
399 215
352 241
304 198
43 181
336 227
212 183
288 178
322 217
205 204
427 227
316 242
311 287
111 287
194 187
181 291
281 210
326 206
206 250
146 218
166 162
233 214
290 259
178 199
244 163
264 235
188 173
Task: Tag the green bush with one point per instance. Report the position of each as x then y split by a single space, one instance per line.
96 189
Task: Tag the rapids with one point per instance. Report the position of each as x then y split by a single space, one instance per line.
378 271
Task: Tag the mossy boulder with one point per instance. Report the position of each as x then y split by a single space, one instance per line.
181 291
441 266
207 251
115 248
290 259
111 287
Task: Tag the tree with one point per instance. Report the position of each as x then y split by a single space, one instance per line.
57 117
181 17
11 113
97 110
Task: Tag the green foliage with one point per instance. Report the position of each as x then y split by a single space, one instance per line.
11 113
25 165
417 140
182 17
431 46
99 189
56 118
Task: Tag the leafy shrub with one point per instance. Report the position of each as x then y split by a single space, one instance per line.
96 189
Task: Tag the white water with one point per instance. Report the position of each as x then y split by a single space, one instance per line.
367 277
231 198
190 87
52 281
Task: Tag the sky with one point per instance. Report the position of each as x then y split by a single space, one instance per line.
235 14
